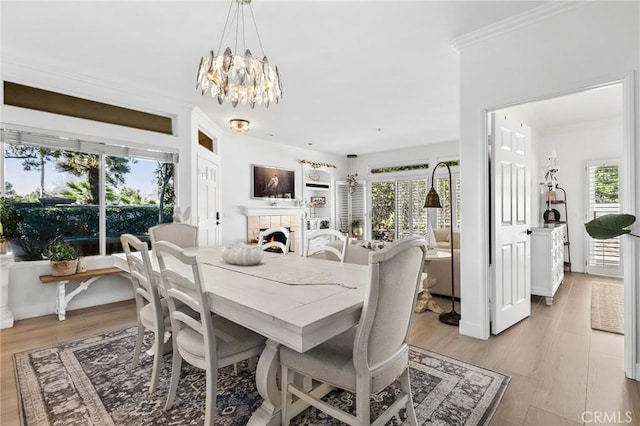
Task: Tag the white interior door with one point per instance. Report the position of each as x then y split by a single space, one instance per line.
208 213
511 216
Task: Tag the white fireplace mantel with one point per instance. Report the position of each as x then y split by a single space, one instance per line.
274 211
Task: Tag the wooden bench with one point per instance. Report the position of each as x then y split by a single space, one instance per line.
87 278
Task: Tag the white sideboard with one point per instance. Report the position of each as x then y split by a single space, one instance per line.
547 260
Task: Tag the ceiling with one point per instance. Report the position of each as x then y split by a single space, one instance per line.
569 110
358 77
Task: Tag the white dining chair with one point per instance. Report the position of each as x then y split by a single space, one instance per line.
208 341
328 235
369 357
265 244
181 234
152 310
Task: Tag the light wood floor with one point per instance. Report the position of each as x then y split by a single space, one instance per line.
559 367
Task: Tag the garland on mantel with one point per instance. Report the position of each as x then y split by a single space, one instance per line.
317 165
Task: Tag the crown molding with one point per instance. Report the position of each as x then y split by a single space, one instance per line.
515 22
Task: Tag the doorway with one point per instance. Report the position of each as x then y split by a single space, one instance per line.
577 131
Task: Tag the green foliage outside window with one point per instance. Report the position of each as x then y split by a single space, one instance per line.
606 184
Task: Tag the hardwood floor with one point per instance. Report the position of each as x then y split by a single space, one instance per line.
559 367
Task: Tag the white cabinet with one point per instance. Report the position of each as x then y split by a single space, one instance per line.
547 260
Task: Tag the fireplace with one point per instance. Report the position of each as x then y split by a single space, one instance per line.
262 221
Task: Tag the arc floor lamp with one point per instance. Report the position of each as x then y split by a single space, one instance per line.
433 201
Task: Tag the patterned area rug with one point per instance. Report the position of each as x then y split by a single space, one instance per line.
89 382
607 307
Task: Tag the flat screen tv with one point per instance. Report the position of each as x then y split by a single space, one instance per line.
273 182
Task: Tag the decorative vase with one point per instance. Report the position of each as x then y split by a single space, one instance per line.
65 267
4 244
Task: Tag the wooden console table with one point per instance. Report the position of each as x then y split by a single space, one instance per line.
87 278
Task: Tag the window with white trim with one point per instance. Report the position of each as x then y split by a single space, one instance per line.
603 197
85 192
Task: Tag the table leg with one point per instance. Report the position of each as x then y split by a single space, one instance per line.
266 373
425 300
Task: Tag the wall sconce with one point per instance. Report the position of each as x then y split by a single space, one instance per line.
239 125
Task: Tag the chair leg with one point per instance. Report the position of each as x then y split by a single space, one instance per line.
363 393
406 387
253 361
176 365
210 400
286 396
136 352
158 349
236 368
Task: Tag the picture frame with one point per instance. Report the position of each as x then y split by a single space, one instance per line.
273 182
317 201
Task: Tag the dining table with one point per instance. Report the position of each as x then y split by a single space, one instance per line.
296 301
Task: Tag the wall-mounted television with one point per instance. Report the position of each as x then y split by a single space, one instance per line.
273 182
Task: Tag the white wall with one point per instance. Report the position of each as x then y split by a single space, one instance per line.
575 145
593 43
238 153
428 153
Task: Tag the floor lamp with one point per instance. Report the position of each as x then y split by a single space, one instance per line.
433 201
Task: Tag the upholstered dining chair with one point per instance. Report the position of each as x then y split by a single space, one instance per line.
265 244
328 235
208 341
372 355
152 310
181 234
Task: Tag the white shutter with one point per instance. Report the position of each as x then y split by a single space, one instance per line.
349 207
603 254
411 216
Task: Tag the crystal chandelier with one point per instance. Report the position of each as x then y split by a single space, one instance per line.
237 78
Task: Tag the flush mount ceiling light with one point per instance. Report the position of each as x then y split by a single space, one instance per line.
239 125
237 78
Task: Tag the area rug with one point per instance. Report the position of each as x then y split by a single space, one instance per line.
607 307
89 382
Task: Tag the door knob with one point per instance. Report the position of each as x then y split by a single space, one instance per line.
529 231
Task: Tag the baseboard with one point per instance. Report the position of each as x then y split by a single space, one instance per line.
472 330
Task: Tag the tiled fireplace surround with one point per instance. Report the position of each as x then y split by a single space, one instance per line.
256 223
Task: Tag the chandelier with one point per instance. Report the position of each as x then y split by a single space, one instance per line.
237 78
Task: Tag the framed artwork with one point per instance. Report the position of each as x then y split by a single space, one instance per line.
317 201
273 182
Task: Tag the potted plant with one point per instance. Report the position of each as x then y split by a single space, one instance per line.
63 257
610 226
3 241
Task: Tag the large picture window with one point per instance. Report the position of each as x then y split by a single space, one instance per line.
87 196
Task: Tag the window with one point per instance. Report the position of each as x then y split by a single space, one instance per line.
443 214
350 207
81 192
603 195
397 210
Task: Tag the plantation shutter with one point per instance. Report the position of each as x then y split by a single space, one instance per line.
442 186
349 207
603 196
411 216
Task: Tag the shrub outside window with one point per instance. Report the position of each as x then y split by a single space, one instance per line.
51 193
